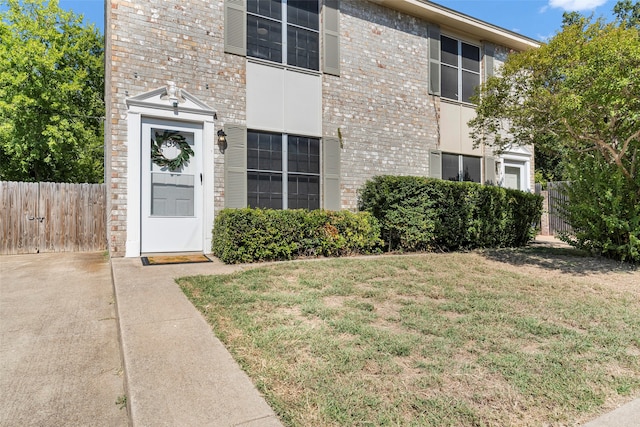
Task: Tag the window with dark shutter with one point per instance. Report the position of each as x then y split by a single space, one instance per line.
286 32
459 69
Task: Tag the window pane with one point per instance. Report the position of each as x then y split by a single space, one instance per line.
304 154
264 151
450 167
270 8
469 83
449 51
449 85
304 13
303 48
264 38
264 190
172 194
304 192
470 57
471 168
512 177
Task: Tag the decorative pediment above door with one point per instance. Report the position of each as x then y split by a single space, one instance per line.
170 98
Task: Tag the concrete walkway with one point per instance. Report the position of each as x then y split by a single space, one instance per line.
59 353
177 372
625 416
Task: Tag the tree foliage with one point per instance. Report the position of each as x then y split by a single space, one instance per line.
51 94
578 97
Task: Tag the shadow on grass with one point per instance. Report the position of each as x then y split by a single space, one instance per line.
563 259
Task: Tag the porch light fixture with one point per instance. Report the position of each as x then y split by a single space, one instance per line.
222 140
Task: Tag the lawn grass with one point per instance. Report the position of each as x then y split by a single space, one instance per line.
434 339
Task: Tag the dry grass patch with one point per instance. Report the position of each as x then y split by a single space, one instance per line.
484 338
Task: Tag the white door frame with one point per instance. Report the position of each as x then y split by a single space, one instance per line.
517 157
166 103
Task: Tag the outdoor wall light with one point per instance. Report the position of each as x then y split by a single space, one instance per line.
222 140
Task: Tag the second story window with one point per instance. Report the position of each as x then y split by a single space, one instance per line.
460 69
284 31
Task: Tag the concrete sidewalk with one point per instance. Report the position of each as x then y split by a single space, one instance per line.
625 416
177 372
59 353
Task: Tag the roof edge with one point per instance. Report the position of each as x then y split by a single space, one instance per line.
455 20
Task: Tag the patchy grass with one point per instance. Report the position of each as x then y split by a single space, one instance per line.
433 339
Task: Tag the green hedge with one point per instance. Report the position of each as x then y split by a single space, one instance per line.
249 235
417 213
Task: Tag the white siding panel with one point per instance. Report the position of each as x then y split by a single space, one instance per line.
281 100
450 127
265 97
454 129
466 143
303 104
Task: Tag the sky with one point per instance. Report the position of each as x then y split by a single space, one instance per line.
536 19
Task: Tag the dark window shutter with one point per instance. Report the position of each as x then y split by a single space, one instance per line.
331 41
331 173
434 59
235 27
489 51
435 164
490 170
235 167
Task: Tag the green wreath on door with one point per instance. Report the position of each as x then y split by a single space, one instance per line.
170 138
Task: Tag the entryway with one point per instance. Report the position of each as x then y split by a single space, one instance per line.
172 184
170 169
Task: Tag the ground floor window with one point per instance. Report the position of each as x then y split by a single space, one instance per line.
458 167
283 171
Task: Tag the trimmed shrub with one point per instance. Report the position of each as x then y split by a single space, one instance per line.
250 235
603 209
417 213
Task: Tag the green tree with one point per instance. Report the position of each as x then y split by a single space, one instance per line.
51 94
578 96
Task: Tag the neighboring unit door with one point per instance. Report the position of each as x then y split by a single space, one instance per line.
171 193
512 177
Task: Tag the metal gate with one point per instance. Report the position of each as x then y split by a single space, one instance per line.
553 219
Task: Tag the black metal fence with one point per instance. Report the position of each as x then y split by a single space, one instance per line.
555 198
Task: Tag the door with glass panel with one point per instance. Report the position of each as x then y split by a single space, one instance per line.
171 193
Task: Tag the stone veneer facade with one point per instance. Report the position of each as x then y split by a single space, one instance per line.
380 102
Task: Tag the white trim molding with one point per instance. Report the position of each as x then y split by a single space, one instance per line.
167 103
517 157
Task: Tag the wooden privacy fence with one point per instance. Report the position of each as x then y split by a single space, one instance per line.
52 217
552 221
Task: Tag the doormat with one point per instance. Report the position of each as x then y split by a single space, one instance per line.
174 259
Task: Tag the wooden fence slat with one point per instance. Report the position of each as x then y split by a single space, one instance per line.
74 217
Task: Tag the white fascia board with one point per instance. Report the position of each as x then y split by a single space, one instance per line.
457 21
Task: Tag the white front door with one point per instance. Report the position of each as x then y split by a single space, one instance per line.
512 176
171 193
